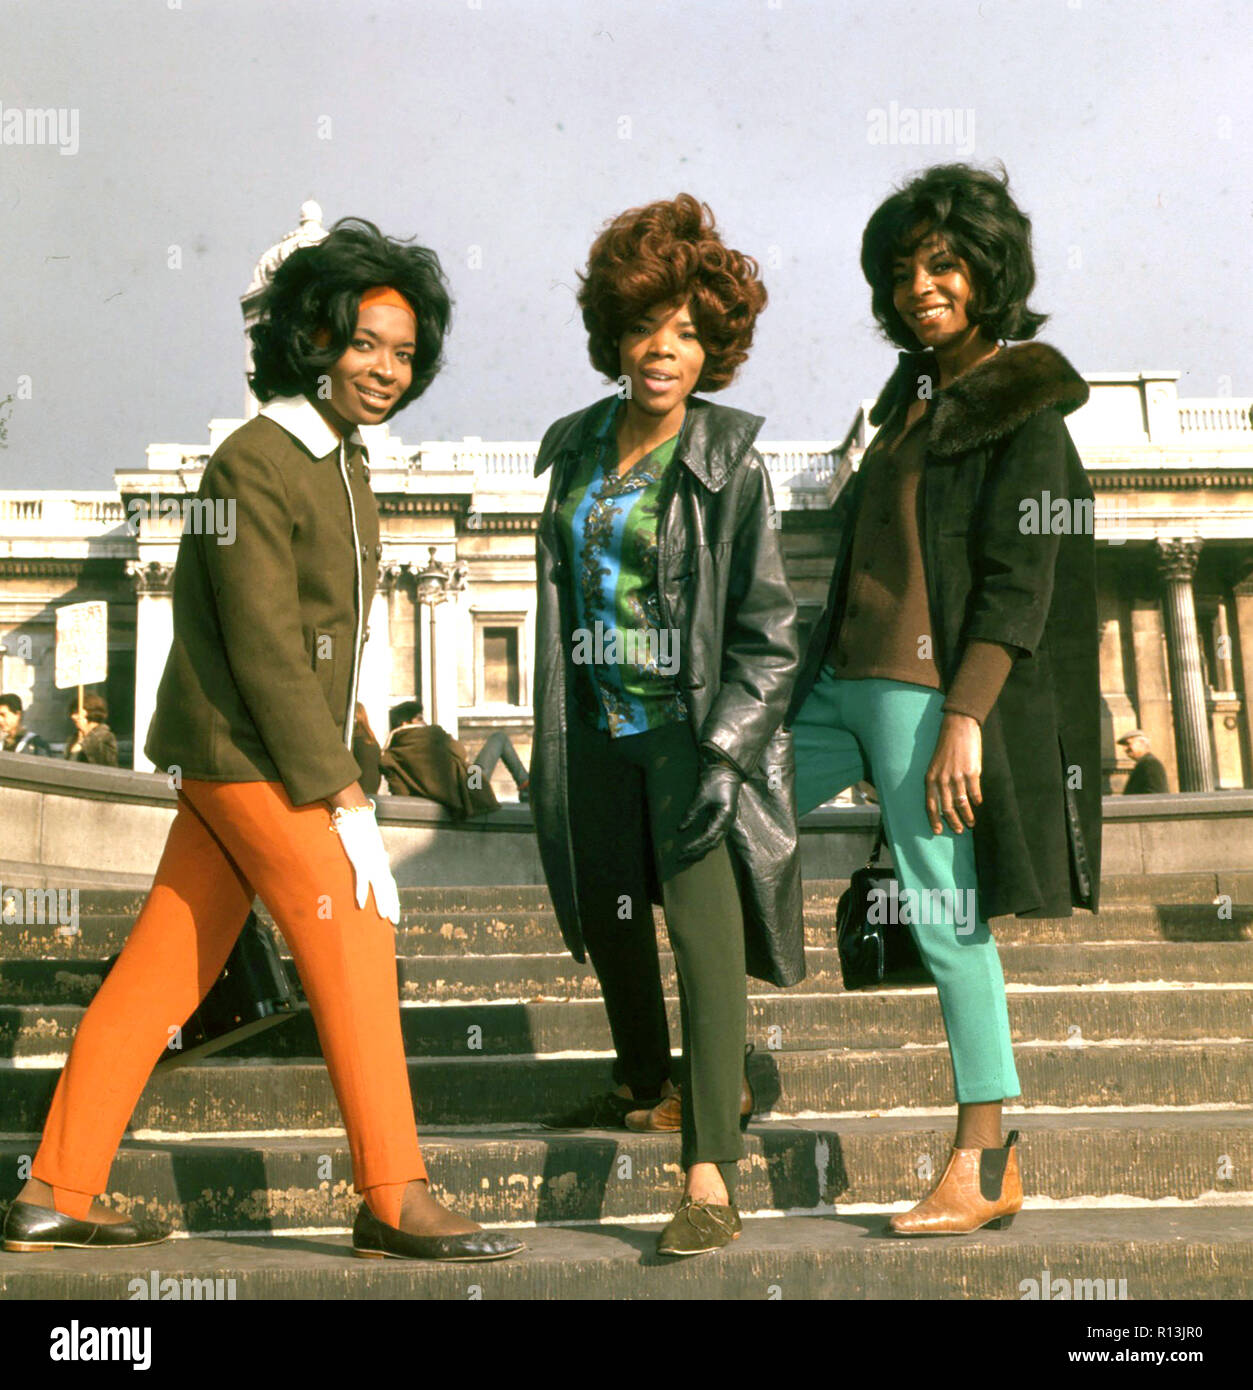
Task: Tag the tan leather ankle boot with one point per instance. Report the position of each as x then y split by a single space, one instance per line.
979 1187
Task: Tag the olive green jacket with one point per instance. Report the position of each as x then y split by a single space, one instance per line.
261 680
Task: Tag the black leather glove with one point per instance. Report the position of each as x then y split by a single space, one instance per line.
717 796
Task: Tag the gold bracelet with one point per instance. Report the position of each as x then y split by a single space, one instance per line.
340 812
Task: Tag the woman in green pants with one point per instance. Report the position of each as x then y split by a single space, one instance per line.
665 653
955 665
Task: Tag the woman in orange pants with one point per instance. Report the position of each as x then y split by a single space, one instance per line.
253 724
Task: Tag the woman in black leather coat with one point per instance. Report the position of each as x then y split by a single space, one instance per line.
666 649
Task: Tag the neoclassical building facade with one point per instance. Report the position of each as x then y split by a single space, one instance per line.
452 621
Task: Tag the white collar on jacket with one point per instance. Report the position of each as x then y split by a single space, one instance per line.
305 423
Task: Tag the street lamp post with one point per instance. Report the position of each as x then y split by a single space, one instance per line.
436 583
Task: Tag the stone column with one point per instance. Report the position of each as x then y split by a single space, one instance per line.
1152 682
374 685
444 705
437 584
402 632
1176 562
1242 597
1117 712
424 646
154 632
1224 677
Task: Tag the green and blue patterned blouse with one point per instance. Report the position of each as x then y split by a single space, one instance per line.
626 664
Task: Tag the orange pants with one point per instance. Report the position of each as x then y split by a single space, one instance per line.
229 842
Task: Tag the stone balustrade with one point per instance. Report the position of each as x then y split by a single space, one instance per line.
60 513
1219 415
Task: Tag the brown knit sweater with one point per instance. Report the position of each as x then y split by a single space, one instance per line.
886 628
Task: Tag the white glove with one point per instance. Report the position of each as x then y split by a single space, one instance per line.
363 844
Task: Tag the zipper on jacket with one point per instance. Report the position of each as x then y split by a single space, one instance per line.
356 556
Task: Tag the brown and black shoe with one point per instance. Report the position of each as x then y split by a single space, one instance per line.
666 1117
608 1111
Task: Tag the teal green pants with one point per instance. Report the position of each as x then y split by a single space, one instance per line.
885 731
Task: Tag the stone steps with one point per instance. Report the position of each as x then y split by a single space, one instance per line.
780 1021
464 979
1182 1254
478 933
217 1184
1131 1028
266 1094
1170 889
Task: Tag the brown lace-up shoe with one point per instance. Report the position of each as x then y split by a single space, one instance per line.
698 1227
666 1117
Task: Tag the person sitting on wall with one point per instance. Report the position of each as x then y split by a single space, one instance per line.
421 759
1148 775
94 741
13 737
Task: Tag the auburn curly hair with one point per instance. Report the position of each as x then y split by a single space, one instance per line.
319 288
663 253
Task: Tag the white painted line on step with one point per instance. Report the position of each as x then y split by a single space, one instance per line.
946 1112
209 1136
1124 987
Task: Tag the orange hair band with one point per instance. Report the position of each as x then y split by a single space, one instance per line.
385 294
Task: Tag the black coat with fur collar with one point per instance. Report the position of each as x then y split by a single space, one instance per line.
999 454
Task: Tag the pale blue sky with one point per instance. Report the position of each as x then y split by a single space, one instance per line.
500 124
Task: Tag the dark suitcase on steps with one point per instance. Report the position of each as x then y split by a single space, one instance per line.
251 995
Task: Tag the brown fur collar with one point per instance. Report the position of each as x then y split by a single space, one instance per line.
989 401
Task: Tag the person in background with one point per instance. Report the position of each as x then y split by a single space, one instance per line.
94 741
366 750
13 737
422 759
1148 775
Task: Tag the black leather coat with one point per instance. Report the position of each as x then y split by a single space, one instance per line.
997 438
724 589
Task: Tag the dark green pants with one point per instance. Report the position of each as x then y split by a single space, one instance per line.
627 796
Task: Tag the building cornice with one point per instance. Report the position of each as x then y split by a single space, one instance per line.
48 567
1165 479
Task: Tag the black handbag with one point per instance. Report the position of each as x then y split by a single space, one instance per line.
875 947
251 994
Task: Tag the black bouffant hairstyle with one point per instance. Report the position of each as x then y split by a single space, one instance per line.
316 292
973 212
